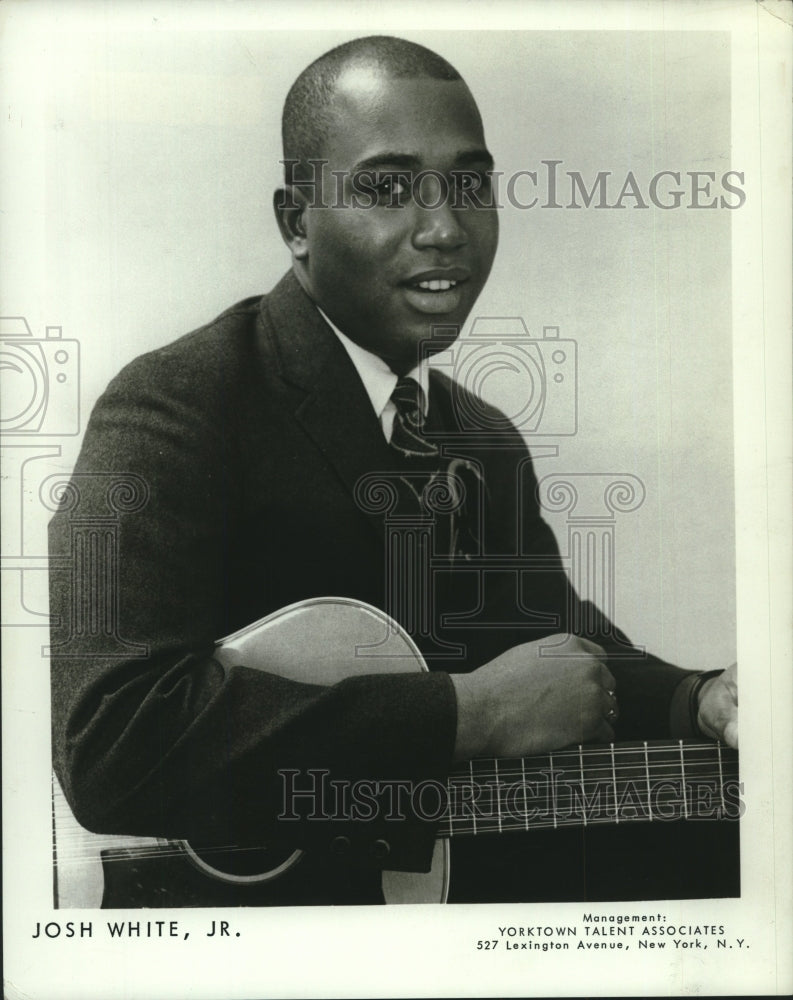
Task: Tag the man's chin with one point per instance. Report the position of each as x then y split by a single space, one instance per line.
441 337
426 343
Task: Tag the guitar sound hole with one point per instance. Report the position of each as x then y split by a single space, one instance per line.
239 862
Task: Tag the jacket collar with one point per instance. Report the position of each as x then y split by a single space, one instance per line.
334 408
303 342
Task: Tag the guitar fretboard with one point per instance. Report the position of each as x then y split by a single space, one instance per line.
578 786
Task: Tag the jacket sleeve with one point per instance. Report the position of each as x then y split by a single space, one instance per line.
151 736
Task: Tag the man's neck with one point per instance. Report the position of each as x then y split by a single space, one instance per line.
368 363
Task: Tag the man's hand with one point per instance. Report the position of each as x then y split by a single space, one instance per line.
718 707
523 703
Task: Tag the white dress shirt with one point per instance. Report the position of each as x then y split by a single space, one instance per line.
378 379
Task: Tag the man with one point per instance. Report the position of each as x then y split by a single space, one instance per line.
252 438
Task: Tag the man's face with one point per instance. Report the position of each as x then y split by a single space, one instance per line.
392 259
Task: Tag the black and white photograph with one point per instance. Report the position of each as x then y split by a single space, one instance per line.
396 448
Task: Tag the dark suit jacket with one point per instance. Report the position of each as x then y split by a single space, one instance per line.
250 435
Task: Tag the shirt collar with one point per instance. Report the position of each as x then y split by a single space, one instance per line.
378 379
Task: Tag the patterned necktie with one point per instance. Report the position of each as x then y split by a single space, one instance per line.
406 436
455 533
417 460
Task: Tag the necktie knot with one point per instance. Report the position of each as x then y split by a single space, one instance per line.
408 398
406 435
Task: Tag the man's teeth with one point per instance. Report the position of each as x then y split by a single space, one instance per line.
437 285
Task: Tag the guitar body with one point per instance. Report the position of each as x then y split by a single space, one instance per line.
318 641
325 640
583 843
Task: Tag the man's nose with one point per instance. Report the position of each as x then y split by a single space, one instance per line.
437 223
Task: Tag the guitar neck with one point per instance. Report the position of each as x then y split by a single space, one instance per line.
583 785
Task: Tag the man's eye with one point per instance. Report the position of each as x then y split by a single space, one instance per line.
473 180
391 187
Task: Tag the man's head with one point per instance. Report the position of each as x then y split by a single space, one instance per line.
390 235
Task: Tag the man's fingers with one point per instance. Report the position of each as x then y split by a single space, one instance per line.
611 709
717 715
730 679
731 733
607 679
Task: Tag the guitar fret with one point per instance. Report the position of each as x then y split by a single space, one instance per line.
721 778
666 780
498 796
600 777
683 781
473 801
649 792
614 783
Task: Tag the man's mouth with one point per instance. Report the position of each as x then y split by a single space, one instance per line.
437 292
436 285
438 279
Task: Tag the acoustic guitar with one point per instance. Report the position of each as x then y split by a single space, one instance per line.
324 640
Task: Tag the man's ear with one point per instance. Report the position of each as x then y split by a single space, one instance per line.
290 206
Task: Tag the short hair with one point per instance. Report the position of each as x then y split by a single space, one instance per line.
305 124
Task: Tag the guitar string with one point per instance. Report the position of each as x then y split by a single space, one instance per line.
624 772
622 768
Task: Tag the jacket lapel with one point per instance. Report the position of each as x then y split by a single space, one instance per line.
335 410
